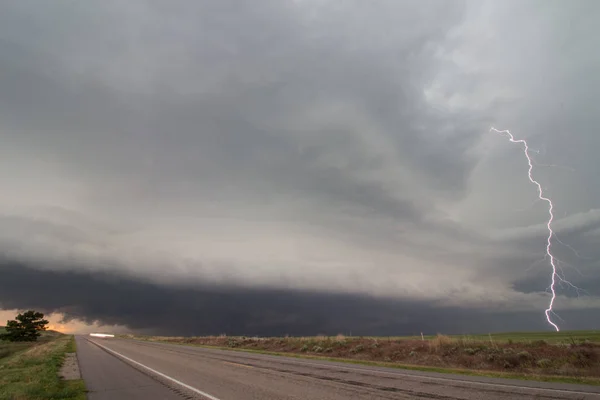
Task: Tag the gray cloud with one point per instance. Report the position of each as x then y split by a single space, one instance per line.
304 145
160 309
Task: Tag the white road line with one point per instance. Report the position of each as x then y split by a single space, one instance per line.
289 360
424 377
193 389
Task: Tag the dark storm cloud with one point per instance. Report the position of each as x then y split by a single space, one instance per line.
201 310
309 146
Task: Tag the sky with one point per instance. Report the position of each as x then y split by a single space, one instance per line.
299 166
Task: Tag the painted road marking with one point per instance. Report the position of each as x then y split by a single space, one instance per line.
416 376
193 389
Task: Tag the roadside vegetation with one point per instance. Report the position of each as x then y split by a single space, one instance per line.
29 370
566 357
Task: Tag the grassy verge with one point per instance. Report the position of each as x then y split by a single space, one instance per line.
575 362
30 370
71 346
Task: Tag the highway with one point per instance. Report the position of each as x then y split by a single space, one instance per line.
127 369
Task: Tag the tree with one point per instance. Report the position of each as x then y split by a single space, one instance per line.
25 327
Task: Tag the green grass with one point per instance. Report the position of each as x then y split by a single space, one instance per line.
550 337
7 349
72 346
30 371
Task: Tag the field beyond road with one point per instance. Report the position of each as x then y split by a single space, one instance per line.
29 370
564 357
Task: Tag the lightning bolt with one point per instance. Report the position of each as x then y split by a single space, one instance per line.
542 197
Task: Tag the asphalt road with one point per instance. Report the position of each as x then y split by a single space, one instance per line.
127 369
107 378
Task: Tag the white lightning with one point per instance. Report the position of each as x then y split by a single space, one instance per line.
542 197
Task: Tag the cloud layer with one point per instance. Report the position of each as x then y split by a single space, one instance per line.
95 298
303 146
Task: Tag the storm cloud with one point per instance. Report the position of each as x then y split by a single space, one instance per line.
329 152
211 310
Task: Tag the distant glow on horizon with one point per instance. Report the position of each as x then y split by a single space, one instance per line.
58 328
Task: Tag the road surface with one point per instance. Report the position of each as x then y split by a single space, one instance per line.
127 369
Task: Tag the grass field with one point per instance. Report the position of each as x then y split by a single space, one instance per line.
29 371
9 348
521 337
